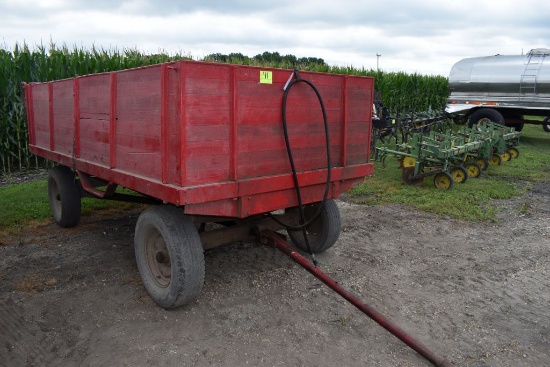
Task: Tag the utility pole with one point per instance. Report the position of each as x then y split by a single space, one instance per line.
377 58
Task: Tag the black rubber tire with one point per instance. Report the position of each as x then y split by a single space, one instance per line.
483 163
323 233
485 114
443 180
514 152
518 127
459 174
546 125
495 160
169 256
64 196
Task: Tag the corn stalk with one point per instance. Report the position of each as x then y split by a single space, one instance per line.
400 92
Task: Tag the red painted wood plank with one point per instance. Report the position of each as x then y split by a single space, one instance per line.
233 126
94 142
112 120
144 164
164 122
63 110
182 104
270 136
30 112
173 126
95 94
208 168
274 162
76 117
41 114
345 120
51 115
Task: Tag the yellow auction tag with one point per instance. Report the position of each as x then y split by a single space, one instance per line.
266 77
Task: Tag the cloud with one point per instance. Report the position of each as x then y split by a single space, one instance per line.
412 36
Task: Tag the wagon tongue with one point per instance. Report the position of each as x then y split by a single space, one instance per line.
271 238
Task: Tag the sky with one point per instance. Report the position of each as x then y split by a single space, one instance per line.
414 36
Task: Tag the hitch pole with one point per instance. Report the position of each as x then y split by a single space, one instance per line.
270 238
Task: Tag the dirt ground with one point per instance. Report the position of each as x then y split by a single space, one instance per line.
477 293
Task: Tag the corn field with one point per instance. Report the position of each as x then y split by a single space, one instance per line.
399 92
44 64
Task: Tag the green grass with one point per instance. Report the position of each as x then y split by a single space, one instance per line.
25 203
475 199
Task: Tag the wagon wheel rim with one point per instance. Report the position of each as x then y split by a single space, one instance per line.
315 229
482 122
158 258
514 152
54 193
443 180
506 156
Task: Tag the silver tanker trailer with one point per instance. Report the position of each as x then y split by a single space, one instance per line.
509 90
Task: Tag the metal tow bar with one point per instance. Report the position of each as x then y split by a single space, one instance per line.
272 239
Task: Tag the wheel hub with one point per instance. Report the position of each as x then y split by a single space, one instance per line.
158 259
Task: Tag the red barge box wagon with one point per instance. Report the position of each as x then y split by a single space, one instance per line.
223 151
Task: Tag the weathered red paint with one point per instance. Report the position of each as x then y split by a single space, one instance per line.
203 135
76 116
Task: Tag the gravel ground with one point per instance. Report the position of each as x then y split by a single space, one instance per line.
17 178
477 293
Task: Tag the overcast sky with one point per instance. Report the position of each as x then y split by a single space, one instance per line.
423 36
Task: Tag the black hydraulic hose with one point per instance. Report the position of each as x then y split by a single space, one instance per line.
303 223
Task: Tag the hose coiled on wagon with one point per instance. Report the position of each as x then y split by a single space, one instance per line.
303 223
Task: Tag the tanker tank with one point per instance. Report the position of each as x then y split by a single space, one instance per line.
507 89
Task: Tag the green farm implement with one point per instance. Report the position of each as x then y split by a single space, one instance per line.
452 156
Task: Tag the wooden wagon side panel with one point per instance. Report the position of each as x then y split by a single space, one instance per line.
359 126
138 122
260 139
94 119
206 136
206 115
41 116
63 110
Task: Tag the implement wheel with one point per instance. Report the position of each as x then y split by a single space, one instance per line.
483 163
323 233
514 152
506 156
443 180
407 175
473 168
169 256
64 196
459 174
408 162
495 160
